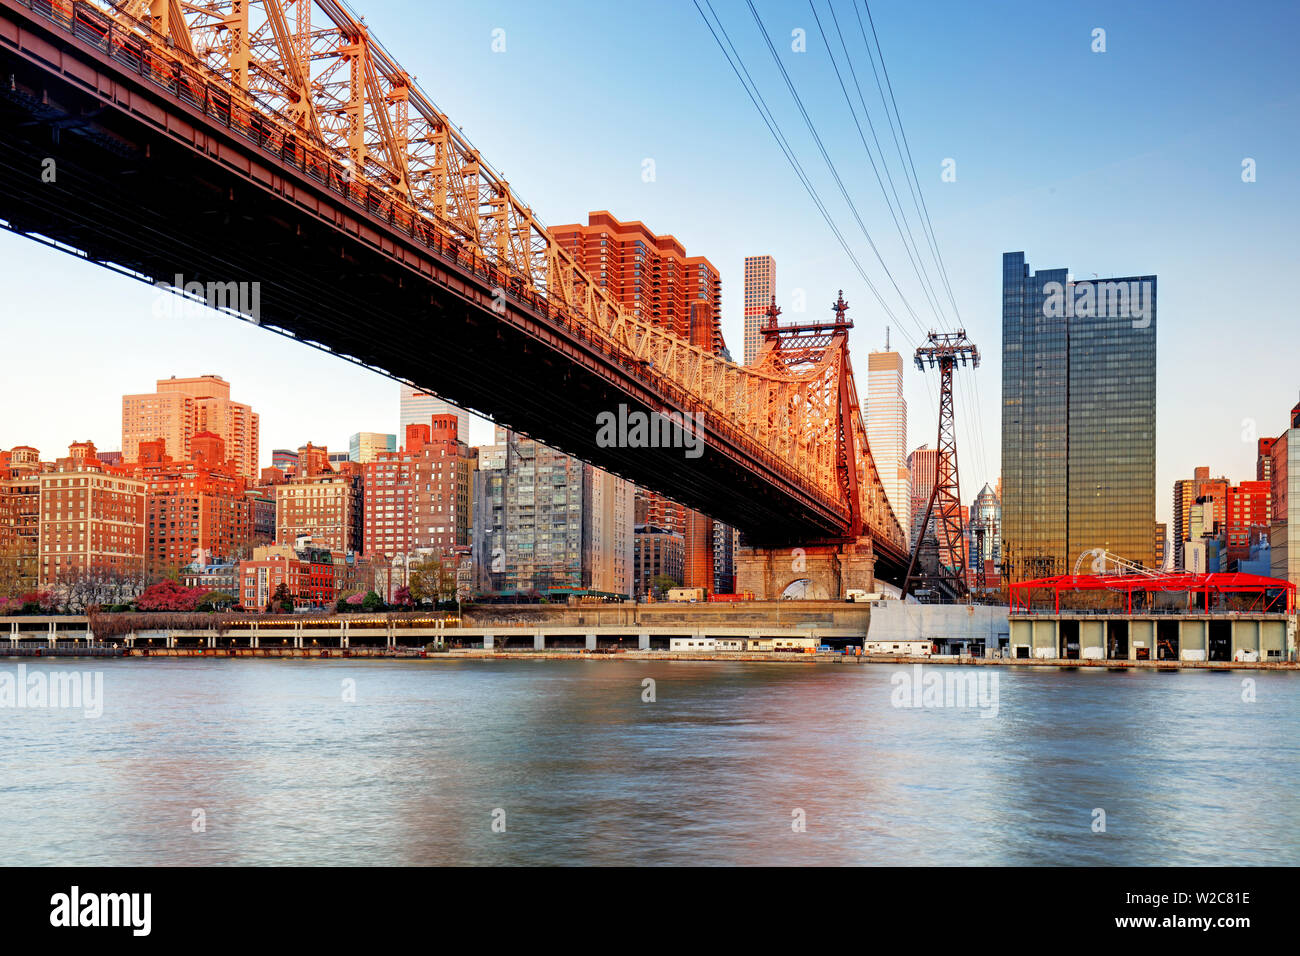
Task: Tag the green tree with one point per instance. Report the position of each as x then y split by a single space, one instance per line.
663 582
372 602
281 599
216 600
432 580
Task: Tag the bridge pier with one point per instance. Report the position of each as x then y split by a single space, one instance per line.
831 569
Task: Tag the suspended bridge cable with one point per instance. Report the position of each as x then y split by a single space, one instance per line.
918 195
774 126
918 265
908 240
742 73
756 97
839 182
918 199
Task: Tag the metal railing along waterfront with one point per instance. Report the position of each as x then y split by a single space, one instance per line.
60 649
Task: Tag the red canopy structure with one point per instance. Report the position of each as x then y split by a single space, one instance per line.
1218 583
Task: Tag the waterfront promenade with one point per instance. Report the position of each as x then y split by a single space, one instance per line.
753 631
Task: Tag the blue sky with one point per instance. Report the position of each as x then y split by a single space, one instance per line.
1126 162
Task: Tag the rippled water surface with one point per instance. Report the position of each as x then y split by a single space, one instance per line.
285 771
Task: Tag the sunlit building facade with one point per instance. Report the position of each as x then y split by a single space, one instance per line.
181 408
887 431
760 289
1284 501
364 447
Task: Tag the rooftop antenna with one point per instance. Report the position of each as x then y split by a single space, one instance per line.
886 338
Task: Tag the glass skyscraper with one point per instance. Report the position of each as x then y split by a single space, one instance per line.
1078 419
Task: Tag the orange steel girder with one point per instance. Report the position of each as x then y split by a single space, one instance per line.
314 69
825 418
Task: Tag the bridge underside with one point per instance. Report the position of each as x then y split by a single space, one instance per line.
150 185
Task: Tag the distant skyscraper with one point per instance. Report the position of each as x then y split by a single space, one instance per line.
179 409
760 287
887 431
986 514
286 459
418 407
1078 419
1186 493
364 447
922 467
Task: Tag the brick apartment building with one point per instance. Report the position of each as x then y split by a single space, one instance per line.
181 408
325 506
20 497
650 275
419 498
198 509
92 520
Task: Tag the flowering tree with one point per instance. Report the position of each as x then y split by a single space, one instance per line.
44 601
167 595
403 597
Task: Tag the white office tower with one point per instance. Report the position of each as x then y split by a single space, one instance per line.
418 407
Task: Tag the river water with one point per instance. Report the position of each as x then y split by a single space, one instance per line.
546 762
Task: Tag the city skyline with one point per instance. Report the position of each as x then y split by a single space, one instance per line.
458 484
1145 170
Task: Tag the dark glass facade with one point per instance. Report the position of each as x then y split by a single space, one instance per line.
1078 419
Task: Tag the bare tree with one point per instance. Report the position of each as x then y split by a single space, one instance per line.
80 588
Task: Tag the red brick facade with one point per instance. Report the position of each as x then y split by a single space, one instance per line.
419 497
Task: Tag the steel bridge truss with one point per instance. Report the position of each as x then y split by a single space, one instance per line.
313 70
817 356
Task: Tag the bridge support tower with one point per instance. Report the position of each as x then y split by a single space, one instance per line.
831 570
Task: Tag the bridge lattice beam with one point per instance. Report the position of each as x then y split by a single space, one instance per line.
314 71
